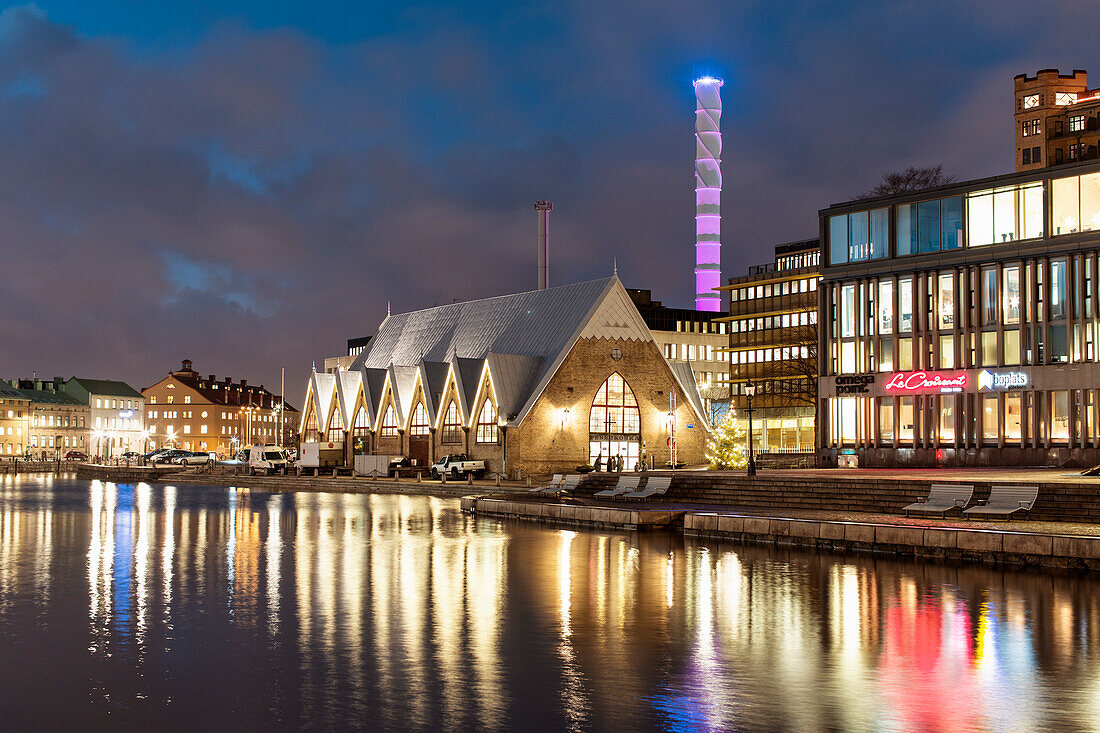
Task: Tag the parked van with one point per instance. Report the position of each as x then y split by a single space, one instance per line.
266 459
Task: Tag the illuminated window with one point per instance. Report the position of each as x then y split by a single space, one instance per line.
389 424
1011 294
202 429
418 425
1064 98
487 429
335 427
947 419
906 419
1077 123
1031 101
312 430
452 424
615 409
886 420
171 399
1029 128
946 302
1004 214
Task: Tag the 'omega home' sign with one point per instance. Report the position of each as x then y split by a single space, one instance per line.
858 383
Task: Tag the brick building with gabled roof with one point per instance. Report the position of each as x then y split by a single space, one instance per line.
189 411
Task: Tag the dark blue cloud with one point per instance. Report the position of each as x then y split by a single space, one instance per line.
247 184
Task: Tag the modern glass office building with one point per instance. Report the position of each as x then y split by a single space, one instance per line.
959 324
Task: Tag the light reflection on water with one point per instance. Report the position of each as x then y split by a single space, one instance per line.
173 606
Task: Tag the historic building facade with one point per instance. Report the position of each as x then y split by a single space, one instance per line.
58 422
772 347
1057 119
541 381
116 415
192 412
14 419
959 324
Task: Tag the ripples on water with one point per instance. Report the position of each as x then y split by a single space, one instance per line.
186 607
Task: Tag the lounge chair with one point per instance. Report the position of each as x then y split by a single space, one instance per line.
942 499
626 483
568 483
654 486
1004 500
555 481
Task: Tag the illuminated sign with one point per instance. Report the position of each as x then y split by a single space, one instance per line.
988 380
855 384
927 382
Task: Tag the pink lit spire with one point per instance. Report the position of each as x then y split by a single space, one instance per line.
708 193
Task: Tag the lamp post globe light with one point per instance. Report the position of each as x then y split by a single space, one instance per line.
750 390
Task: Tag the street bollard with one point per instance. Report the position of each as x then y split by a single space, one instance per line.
419 477
469 479
442 478
498 479
528 482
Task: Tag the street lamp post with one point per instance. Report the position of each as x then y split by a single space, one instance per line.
750 390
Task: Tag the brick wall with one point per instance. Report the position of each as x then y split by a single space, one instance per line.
543 444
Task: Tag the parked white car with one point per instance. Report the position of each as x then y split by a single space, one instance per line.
456 465
195 458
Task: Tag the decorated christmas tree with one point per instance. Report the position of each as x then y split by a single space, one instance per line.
727 445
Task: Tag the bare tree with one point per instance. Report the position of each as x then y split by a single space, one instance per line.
909 180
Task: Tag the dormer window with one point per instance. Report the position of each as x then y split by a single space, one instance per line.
1031 101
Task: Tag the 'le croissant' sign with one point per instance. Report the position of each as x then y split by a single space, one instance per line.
927 382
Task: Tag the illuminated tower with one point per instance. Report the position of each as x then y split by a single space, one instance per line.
708 193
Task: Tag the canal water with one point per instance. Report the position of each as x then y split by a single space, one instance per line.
194 607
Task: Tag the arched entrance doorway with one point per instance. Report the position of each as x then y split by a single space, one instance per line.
614 424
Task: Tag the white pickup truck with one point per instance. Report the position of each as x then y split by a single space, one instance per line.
456 465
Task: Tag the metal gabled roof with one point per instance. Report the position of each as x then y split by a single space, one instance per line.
374 381
513 377
403 383
685 377
468 376
324 390
535 323
433 378
348 386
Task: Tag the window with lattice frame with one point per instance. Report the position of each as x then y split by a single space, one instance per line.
615 409
389 424
487 429
418 424
452 424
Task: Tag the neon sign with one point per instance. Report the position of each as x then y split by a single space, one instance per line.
927 382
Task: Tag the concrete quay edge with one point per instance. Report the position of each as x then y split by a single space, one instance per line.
947 543
593 516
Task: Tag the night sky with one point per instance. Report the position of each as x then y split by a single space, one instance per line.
246 184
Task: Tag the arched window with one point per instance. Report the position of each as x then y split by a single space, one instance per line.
361 427
360 432
452 424
312 431
487 431
389 424
419 423
614 410
335 427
